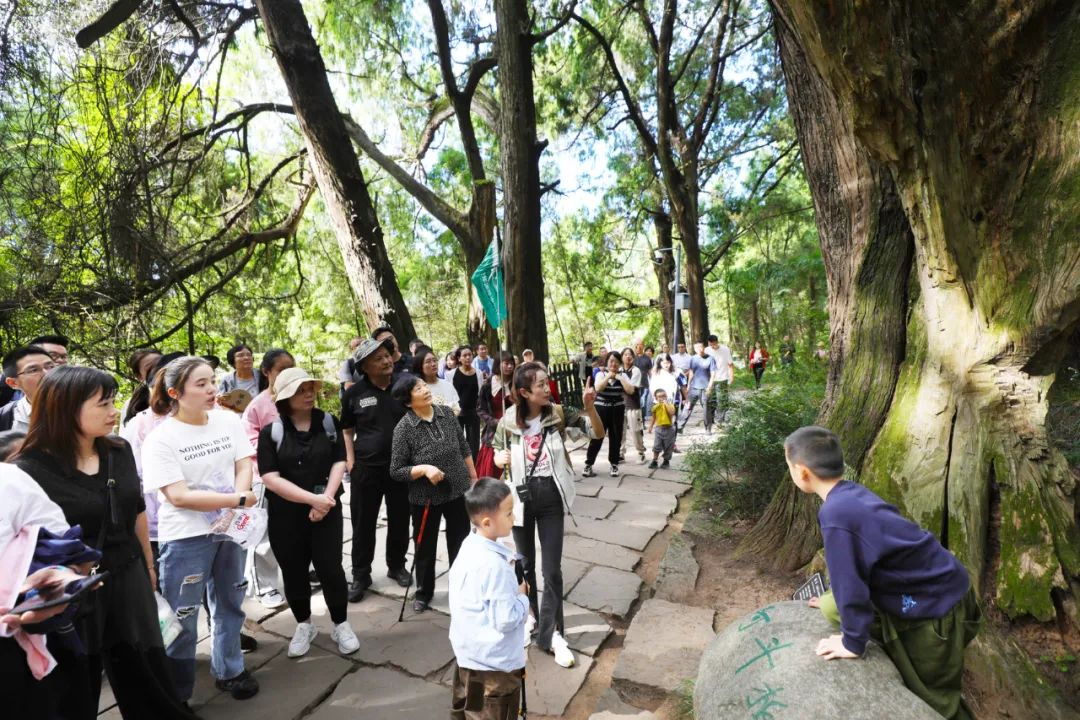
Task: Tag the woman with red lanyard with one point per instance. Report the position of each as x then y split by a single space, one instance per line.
496 395
758 359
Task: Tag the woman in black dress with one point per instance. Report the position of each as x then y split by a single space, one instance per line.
467 382
92 477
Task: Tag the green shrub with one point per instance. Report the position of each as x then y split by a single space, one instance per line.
737 473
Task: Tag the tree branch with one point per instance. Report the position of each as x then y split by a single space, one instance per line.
455 221
113 18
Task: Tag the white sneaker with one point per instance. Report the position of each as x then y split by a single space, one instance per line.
530 626
614 472
343 635
563 656
271 599
301 639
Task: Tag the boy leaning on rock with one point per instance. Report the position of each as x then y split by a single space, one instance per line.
488 608
891 580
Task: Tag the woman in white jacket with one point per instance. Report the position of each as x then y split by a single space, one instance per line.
531 440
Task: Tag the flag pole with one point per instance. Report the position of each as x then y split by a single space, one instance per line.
500 298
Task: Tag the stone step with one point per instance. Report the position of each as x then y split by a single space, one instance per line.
662 647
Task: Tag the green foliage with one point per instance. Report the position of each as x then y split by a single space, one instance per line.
684 700
737 474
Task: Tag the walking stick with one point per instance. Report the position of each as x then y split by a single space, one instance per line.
416 551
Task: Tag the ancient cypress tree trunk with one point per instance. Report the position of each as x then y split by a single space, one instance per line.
665 272
527 321
336 167
983 156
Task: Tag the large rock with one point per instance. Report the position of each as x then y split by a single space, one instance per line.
662 647
678 571
764 665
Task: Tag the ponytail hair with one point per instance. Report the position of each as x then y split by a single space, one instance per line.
173 375
524 377
268 359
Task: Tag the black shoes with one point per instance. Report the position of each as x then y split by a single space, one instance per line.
420 606
665 465
241 687
653 465
358 587
248 643
401 576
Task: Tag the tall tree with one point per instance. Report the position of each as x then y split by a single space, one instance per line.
520 150
689 116
473 228
981 154
336 166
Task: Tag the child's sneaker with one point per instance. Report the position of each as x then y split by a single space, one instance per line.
343 635
301 640
664 465
588 472
653 465
614 471
563 656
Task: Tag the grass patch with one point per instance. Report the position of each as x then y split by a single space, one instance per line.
684 701
736 474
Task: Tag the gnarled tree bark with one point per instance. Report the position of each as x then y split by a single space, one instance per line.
982 155
336 167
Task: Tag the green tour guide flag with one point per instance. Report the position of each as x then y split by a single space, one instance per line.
488 281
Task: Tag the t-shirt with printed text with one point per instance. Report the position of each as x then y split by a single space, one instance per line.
203 456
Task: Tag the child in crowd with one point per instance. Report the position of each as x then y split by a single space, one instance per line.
663 428
488 609
886 568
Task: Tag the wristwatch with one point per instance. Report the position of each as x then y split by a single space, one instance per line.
243 500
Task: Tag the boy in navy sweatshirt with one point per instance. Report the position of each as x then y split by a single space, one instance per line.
891 580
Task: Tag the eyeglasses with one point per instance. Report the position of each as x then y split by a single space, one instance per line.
37 369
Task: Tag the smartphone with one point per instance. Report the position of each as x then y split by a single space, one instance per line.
73 591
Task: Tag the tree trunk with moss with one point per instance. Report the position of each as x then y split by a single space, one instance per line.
972 114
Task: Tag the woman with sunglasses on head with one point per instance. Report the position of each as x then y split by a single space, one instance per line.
91 475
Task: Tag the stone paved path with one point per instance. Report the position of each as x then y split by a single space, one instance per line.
402 670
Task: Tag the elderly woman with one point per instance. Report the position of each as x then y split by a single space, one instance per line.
430 454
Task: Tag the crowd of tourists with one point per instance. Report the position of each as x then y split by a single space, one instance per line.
468 443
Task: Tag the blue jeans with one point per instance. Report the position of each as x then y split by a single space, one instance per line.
187 567
646 405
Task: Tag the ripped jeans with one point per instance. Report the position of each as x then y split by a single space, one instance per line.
187 566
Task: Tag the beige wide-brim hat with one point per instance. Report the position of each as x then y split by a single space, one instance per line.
289 381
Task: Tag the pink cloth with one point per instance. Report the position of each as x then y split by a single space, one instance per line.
135 433
14 566
259 413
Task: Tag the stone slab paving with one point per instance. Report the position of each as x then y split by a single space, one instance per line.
607 590
651 517
611 707
641 497
647 484
678 573
288 688
601 553
614 533
379 693
549 687
663 646
586 630
591 507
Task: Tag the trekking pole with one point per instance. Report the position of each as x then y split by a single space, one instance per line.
416 551
524 711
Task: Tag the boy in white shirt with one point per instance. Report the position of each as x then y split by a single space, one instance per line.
488 608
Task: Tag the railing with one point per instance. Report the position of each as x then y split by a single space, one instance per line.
569 383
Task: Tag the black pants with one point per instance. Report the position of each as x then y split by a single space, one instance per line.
544 513
457 529
759 370
369 487
611 417
298 543
63 694
471 427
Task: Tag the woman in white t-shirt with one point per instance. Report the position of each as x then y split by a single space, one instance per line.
199 459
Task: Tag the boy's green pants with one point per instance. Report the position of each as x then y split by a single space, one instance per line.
929 653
